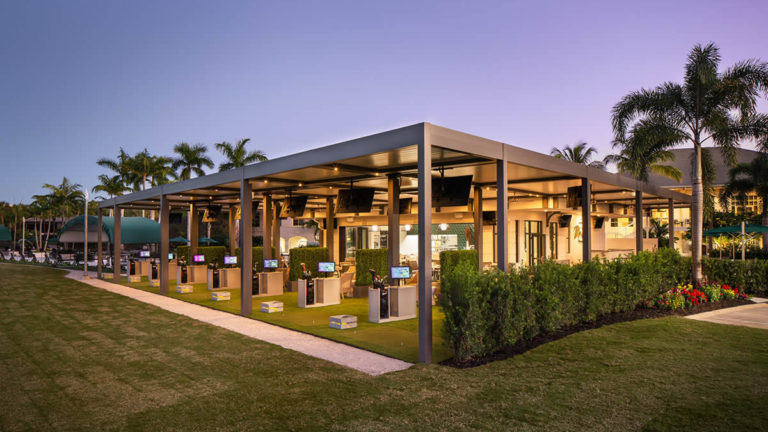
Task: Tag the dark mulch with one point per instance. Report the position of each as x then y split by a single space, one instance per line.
613 318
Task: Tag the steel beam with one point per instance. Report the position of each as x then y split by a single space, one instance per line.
393 220
330 217
502 216
116 246
266 226
477 205
639 221
425 249
165 236
99 252
194 229
246 248
586 220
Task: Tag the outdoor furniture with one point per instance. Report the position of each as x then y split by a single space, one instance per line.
402 303
327 292
220 295
270 284
341 322
271 306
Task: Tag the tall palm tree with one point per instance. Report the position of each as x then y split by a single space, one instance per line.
191 159
161 170
237 156
66 197
120 166
112 186
708 106
638 157
750 177
581 153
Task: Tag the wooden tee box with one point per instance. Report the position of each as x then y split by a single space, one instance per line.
402 304
270 284
220 296
229 278
271 306
341 322
327 292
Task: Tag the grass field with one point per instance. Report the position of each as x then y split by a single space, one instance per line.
78 358
397 339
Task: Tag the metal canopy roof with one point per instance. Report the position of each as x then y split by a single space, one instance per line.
366 162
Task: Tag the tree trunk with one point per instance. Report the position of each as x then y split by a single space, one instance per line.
765 223
697 216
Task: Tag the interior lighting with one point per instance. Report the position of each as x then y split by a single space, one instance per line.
443 226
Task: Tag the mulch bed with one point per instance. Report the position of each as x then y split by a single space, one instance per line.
613 318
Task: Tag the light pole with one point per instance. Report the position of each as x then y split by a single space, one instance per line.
23 236
85 239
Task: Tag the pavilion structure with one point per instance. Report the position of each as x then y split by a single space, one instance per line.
526 192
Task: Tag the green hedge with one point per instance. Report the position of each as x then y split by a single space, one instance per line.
452 259
376 259
485 312
257 258
210 253
750 277
307 255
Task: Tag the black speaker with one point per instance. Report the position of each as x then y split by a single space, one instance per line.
599 222
565 221
573 199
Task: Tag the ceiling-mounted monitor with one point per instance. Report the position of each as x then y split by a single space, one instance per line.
293 207
489 217
356 200
451 191
564 221
573 199
405 205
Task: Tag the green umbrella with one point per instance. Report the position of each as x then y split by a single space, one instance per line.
736 229
206 240
178 239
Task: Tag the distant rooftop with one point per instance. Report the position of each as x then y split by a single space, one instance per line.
683 163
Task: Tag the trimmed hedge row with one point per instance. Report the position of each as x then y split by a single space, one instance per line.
485 312
210 253
307 255
257 258
376 259
453 259
750 277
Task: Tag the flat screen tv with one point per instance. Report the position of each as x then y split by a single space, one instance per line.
170 255
489 217
230 260
357 200
565 221
573 199
599 222
405 205
198 258
326 267
400 272
451 191
293 207
144 254
270 263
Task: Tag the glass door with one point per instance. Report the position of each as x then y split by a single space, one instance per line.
534 241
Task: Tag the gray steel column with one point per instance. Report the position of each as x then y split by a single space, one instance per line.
246 247
165 209
99 252
502 216
671 223
478 209
266 226
194 230
276 227
425 249
116 240
393 220
639 221
231 229
586 219
330 216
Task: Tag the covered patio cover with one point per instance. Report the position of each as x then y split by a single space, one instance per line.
134 230
736 229
5 234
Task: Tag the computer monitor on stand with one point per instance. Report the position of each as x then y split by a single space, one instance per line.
399 273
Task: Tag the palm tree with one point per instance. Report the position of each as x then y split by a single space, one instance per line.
707 106
659 230
66 197
581 153
237 156
191 159
112 186
161 170
121 166
750 177
638 157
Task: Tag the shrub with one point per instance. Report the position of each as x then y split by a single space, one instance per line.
210 253
183 251
452 259
751 277
257 258
307 255
376 259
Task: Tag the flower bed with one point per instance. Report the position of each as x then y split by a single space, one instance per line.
685 296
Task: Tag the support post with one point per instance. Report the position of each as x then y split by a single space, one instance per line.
638 221
276 227
231 229
194 230
266 226
246 247
425 248
99 247
586 219
116 246
165 209
671 223
478 209
502 213
330 217
393 220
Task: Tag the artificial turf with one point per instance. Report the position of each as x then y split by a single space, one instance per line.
74 357
397 339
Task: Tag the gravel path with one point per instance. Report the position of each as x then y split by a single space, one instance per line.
345 355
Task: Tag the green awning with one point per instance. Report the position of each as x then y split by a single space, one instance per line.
133 230
5 234
735 229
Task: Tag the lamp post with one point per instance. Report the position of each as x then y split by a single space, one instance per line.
23 236
85 239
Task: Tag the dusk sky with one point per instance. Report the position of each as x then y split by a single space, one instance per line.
80 79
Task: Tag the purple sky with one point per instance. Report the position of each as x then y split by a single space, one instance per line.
80 79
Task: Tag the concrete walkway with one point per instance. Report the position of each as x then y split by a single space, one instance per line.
755 315
345 355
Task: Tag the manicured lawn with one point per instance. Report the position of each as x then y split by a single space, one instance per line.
78 358
397 339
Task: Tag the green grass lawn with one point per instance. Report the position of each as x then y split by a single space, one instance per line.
75 357
397 339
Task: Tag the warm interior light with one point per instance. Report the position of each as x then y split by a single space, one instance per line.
443 226
300 185
375 228
407 227
336 168
266 181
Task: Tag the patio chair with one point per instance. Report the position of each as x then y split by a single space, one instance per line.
347 282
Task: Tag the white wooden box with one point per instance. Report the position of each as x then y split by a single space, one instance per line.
134 279
220 295
272 306
342 322
184 289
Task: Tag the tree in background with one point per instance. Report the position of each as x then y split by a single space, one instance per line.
237 156
643 153
708 106
581 153
747 178
191 159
